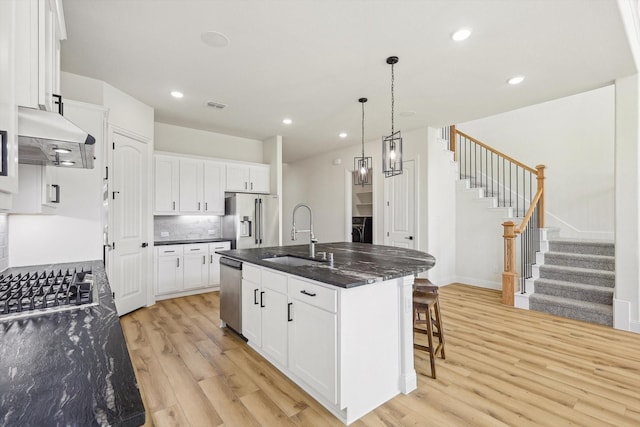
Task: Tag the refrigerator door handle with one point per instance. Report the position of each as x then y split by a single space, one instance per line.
256 219
261 219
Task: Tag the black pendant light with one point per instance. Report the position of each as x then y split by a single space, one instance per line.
362 164
392 144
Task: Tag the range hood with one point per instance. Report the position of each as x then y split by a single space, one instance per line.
47 138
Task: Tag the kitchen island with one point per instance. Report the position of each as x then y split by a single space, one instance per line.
68 368
341 330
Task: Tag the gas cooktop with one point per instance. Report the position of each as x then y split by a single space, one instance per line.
39 292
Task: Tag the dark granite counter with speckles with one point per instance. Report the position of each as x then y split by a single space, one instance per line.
354 264
69 368
188 242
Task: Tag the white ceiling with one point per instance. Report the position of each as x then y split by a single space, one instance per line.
311 60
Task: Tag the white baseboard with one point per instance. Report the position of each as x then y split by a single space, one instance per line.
635 326
622 315
479 282
521 300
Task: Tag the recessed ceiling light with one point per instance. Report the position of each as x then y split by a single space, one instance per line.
67 163
515 80
214 39
61 150
342 135
177 94
287 121
461 34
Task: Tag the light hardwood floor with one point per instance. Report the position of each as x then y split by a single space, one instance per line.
504 367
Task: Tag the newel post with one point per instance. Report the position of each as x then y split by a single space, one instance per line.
452 142
540 178
509 275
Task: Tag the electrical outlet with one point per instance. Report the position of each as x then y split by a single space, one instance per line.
164 234
212 232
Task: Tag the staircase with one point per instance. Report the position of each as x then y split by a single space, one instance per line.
576 280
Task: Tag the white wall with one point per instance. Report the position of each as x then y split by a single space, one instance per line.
272 155
574 138
177 139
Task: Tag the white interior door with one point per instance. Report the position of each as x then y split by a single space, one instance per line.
128 273
400 199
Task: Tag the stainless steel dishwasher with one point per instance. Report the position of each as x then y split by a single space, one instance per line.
231 293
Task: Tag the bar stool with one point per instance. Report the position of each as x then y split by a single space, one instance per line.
425 298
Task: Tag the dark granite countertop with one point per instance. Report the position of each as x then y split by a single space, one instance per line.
68 368
354 264
187 241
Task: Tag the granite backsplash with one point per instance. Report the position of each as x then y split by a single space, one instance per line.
186 227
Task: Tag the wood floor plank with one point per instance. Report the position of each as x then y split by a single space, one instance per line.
504 366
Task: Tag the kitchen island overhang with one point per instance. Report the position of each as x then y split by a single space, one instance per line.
342 332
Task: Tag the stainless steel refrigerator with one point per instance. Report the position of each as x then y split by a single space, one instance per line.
251 220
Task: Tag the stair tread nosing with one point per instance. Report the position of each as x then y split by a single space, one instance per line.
580 256
579 310
596 262
587 305
583 241
574 291
582 286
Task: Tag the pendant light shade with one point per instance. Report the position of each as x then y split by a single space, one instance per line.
362 164
392 144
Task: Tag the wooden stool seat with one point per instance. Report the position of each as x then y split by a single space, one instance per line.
426 302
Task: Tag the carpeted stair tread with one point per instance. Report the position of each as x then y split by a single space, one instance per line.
576 291
579 310
596 262
579 246
578 275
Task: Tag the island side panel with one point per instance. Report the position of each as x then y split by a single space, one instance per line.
370 346
408 376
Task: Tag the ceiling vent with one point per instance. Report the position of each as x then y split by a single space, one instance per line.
216 105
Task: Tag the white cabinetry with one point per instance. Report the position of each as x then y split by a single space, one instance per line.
41 27
196 268
187 269
185 185
252 297
169 269
214 262
167 182
274 315
313 336
248 178
39 190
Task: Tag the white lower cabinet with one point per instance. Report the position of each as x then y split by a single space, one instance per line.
184 269
294 323
196 268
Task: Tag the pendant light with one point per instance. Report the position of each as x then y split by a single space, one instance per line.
392 144
362 164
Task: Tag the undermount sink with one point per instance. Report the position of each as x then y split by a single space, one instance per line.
292 260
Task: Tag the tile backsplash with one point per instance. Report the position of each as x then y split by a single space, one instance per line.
186 227
4 242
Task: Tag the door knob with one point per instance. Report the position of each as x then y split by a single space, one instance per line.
410 237
144 245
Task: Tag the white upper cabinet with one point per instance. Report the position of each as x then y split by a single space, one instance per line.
167 182
39 31
214 183
248 178
191 186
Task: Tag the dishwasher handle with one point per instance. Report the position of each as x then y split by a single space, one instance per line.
231 263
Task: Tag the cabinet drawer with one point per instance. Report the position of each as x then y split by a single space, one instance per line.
251 273
313 294
171 250
219 246
275 281
196 248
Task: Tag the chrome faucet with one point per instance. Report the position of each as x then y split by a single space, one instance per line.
312 238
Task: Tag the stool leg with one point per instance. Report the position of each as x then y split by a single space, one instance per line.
432 356
440 330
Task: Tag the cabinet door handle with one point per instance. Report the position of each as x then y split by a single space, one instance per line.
211 260
311 294
198 206
174 206
252 185
261 300
289 312
206 206
255 297
57 198
169 252
178 259
204 259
